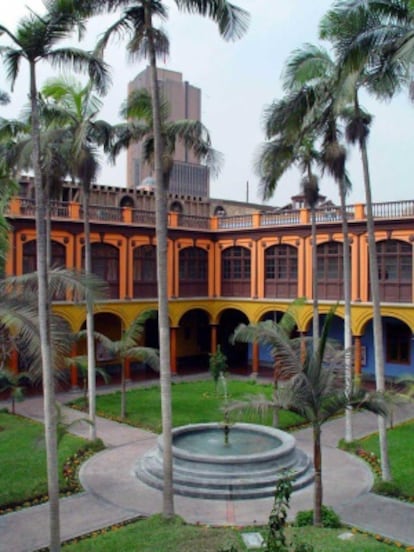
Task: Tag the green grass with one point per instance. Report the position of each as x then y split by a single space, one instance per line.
155 535
23 458
192 402
400 450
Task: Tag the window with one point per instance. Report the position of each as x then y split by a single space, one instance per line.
235 270
236 263
330 270
105 264
145 271
281 271
395 270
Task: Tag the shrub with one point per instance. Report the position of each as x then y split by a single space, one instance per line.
387 488
330 518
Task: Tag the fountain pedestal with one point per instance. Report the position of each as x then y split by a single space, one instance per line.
248 467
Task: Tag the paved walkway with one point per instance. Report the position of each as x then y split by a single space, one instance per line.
113 494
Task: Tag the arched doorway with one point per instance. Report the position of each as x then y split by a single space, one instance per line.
193 342
237 354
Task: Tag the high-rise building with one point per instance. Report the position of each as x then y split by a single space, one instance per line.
188 177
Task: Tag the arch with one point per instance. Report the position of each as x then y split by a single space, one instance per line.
336 329
220 211
193 272
193 341
235 271
145 271
58 254
395 270
281 271
237 354
398 348
176 207
127 201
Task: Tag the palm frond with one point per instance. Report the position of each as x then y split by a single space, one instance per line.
232 20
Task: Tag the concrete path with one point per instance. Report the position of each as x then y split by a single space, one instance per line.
113 494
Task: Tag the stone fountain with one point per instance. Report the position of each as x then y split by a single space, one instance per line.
246 467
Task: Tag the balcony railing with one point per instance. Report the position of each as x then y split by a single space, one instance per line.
394 209
24 207
275 219
239 221
105 214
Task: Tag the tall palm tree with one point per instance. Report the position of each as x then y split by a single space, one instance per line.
313 388
73 109
343 27
287 147
313 67
35 40
146 40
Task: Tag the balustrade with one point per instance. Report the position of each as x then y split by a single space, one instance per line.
101 213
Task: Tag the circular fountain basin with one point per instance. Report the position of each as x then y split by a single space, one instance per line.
248 466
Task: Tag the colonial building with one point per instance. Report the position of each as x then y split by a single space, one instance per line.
228 263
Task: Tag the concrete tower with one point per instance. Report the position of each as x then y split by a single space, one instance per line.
188 177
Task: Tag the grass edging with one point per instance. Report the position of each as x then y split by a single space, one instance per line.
70 473
384 488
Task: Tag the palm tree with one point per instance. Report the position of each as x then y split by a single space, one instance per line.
145 40
313 389
343 28
14 384
35 40
287 147
312 67
81 364
73 108
126 347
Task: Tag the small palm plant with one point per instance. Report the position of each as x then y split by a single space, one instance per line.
127 348
313 389
81 364
13 384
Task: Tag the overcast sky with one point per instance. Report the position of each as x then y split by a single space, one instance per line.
238 80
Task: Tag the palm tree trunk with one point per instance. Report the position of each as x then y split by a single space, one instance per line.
90 330
48 237
376 303
347 320
315 321
161 198
376 307
49 405
317 464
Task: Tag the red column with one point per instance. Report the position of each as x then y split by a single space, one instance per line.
74 371
213 345
357 356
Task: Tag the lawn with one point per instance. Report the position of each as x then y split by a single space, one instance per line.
400 449
23 458
192 402
154 534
